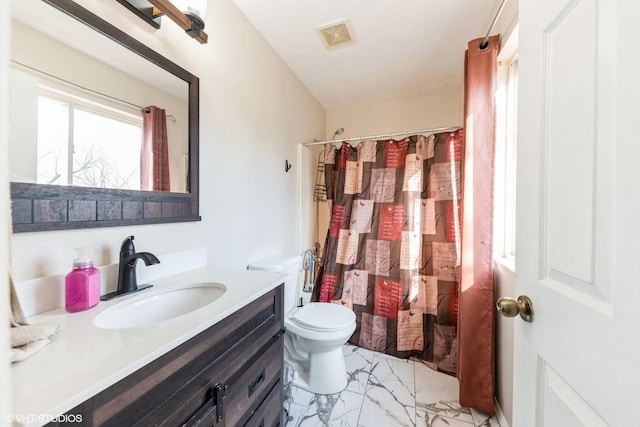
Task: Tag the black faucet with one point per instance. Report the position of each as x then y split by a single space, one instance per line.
127 280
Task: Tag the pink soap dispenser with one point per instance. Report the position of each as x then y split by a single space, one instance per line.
82 284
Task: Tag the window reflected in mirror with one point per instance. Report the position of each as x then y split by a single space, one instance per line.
77 120
99 151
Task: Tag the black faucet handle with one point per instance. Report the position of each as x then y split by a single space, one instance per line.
128 248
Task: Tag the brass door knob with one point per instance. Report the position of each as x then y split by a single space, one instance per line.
509 307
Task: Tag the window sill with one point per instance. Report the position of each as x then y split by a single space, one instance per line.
508 262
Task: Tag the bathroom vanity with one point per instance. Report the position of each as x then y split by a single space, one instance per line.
228 375
218 366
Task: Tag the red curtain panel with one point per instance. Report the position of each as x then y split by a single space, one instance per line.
476 300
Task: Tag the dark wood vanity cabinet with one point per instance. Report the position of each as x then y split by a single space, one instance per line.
228 375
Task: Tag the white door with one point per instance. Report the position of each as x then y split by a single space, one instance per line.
578 214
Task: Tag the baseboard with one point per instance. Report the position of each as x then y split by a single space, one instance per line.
499 414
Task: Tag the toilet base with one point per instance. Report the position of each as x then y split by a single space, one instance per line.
323 373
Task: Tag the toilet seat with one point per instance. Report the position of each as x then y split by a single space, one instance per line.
323 317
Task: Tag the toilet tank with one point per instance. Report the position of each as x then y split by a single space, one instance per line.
287 264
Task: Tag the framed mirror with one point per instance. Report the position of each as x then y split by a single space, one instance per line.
103 82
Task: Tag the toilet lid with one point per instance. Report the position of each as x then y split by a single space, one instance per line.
322 316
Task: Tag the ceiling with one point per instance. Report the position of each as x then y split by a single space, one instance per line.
401 48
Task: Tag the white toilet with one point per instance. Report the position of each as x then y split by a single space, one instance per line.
315 333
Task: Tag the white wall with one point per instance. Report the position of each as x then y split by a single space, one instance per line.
433 110
5 372
253 114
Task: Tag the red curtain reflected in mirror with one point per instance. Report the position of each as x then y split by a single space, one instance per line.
154 155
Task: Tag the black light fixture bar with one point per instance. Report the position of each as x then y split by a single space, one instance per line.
144 10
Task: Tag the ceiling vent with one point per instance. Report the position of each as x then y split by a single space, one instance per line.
335 34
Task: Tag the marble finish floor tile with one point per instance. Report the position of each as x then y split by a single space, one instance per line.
391 403
358 363
342 409
385 391
428 419
437 393
482 419
387 369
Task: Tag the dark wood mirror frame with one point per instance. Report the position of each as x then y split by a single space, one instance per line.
40 207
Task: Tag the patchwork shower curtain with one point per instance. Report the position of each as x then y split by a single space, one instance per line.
392 252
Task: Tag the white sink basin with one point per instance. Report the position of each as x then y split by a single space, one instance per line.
156 306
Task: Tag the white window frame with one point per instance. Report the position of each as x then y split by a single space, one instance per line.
89 102
77 99
505 153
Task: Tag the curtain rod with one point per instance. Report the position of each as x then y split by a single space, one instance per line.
383 135
82 88
484 43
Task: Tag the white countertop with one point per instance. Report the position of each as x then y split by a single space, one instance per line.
82 360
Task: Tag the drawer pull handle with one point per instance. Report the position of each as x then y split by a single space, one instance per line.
256 383
219 392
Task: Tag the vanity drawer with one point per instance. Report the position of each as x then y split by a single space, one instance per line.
270 412
224 398
250 387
